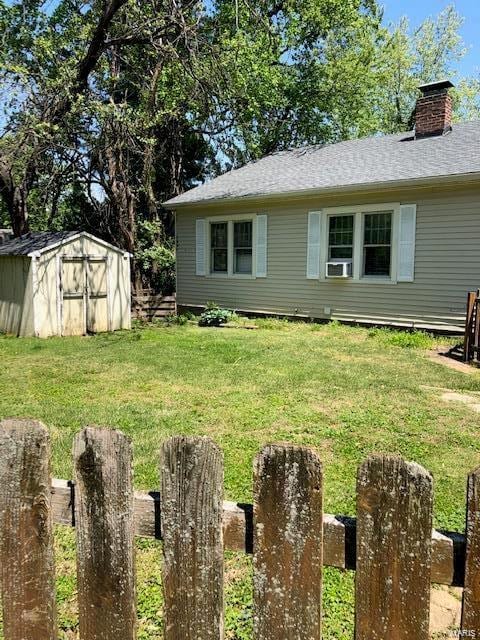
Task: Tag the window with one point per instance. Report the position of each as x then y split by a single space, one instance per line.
367 238
340 237
231 246
377 244
219 247
242 247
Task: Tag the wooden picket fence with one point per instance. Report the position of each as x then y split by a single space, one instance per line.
390 544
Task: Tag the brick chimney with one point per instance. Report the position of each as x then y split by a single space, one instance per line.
433 113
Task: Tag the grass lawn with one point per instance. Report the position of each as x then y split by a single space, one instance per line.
346 391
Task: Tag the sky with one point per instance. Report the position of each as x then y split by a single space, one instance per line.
419 10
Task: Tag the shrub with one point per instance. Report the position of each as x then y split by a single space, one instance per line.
213 316
180 319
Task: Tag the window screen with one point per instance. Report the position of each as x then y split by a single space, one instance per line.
219 247
242 247
377 244
340 237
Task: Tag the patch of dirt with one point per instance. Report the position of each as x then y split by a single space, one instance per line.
445 610
440 356
471 401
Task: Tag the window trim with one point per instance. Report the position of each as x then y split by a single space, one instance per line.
230 219
359 211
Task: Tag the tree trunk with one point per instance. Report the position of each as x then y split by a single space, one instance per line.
19 212
15 198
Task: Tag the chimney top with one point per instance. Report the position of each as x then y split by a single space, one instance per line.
433 113
439 86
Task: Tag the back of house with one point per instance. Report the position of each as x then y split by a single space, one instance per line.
377 230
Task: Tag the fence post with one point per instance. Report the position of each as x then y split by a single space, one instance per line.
104 519
394 533
26 534
288 538
191 513
469 329
471 592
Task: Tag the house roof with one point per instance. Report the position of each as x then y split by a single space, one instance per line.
41 241
376 161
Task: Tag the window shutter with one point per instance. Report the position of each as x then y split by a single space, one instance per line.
261 247
313 248
200 246
406 247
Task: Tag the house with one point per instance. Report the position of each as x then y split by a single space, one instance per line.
378 230
67 283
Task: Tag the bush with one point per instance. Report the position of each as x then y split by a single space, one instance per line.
213 316
180 319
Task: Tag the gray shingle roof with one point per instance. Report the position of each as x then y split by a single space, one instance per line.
31 242
353 163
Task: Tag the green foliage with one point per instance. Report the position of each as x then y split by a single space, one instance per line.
181 319
214 316
189 89
405 60
156 260
404 339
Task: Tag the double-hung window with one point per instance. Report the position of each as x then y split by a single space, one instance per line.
231 247
340 237
374 240
242 247
377 244
219 247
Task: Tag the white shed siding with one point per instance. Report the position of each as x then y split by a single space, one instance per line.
46 293
16 310
447 264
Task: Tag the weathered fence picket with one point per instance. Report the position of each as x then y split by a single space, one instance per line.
192 507
104 519
26 539
391 544
288 539
394 524
471 592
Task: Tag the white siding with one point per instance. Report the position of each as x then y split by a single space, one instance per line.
46 293
447 264
16 314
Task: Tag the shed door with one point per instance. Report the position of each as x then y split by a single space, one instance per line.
97 295
73 297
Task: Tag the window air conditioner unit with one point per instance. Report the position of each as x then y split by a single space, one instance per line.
339 269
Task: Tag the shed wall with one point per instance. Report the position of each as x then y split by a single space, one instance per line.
46 286
447 263
16 308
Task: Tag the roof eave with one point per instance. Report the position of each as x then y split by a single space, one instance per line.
37 253
351 188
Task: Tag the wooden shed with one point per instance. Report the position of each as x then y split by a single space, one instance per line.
63 283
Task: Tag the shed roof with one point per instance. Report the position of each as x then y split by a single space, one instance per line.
376 161
41 241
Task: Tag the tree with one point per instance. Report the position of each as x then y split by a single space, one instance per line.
112 107
46 90
405 61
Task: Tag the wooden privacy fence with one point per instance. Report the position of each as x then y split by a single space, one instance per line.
147 305
471 342
390 544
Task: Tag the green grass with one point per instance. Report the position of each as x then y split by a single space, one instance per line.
346 391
